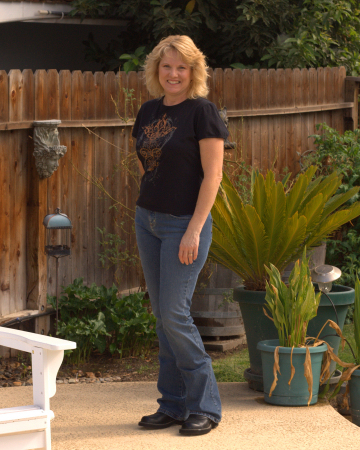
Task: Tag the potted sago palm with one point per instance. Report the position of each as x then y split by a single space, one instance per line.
352 372
273 228
292 363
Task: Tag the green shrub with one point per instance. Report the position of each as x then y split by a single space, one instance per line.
341 152
97 318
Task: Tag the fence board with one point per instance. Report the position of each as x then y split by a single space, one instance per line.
280 155
4 96
65 94
16 95
41 95
247 104
6 207
256 123
289 120
313 92
28 109
297 121
53 94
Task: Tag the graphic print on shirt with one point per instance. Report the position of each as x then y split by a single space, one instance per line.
153 139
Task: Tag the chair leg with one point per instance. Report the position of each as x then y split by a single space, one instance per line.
48 437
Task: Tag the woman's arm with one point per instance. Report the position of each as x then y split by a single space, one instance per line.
212 155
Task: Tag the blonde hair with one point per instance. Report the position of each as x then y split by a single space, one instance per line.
189 53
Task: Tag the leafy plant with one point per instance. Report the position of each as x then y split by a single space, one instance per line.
251 33
277 224
291 307
98 318
341 152
115 254
135 60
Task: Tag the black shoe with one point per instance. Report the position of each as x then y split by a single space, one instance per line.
196 425
158 421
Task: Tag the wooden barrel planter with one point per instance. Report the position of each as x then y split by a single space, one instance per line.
213 310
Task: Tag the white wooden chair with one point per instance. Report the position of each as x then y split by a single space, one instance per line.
28 427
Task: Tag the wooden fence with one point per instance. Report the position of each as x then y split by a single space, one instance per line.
271 113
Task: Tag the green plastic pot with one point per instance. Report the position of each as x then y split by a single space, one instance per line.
354 385
257 328
297 394
342 297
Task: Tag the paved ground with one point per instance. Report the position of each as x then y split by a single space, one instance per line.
105 417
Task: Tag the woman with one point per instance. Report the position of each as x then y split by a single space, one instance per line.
179 143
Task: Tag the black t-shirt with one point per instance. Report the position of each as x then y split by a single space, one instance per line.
168 148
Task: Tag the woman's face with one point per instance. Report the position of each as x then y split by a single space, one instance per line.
174 77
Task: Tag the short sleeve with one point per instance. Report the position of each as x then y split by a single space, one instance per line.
209 124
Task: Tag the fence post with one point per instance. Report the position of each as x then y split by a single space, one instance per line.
36 259
351 115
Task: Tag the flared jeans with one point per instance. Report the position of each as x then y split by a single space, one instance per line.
186 379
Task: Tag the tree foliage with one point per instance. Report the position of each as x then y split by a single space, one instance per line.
253 33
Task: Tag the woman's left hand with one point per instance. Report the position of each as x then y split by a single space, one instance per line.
189 246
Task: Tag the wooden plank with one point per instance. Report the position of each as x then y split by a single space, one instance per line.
110 95
289 122
280 121
321 95
16 96
99 80
89 96
36 259
28 110
264 122
88 164
272 102
41 95
15 168
78 195
337 116
341 97
218 84
298 141
53 188
255 122
121 79
238 122
229 87
247 102
132 96
53 92
305 127
313 96
20 224
6 204
98 169
143 92
5 293
329 92
65 170
65 95
4 96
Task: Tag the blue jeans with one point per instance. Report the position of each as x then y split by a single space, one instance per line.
186 379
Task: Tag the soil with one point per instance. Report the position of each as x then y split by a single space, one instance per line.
144 368
128 369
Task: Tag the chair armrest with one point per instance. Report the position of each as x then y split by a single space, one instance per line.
25 341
